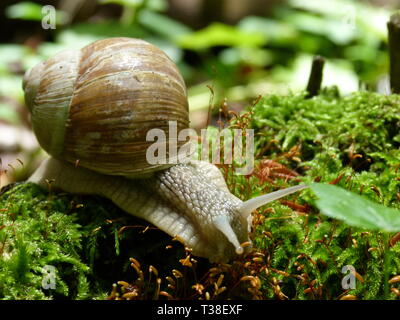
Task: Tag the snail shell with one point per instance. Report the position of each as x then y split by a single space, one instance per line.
96 104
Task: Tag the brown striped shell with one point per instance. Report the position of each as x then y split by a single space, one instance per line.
97 104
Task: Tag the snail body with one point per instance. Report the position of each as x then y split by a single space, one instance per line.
91 110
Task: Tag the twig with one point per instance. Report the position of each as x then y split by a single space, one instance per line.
394 51
315 80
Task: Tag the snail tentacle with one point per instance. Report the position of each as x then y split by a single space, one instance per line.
250 205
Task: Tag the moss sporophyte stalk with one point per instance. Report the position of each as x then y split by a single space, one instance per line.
299 252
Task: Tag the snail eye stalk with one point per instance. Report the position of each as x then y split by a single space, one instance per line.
250 205
222 224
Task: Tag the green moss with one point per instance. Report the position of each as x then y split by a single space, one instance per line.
80 236
351 141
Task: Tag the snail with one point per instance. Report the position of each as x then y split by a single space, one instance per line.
90 111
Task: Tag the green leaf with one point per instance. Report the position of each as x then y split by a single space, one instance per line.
274 31
219 34
33 11
162 25
10 85
355 210
126 3
25 11
156 5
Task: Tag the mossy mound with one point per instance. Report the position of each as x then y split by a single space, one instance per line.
87 239
352 142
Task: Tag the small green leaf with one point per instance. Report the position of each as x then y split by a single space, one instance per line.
32 11
156 5
126 3
219 34
355 210
25 11
162 25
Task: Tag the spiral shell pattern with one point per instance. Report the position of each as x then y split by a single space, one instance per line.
95 106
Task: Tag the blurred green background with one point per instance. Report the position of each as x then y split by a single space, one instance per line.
229 51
